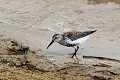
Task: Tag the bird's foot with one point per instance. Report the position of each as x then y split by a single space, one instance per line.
73 59
76 61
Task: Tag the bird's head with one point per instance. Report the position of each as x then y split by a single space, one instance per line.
55 38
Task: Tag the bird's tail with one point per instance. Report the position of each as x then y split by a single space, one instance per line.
92 31
88 32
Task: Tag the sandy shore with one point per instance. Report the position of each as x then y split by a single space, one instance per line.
32 24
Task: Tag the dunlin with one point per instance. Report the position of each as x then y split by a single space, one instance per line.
72 39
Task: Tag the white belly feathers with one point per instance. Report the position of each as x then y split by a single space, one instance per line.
79 41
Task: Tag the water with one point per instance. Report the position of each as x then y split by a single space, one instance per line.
104 1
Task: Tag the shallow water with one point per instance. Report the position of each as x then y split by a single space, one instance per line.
104 1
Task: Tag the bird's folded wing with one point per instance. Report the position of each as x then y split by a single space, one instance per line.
74 35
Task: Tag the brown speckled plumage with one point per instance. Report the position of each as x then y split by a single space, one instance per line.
75 34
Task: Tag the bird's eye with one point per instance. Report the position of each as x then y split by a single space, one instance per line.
55 37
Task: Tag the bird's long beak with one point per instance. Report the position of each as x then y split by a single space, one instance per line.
50 44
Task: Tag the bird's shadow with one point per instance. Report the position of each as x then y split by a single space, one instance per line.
72 54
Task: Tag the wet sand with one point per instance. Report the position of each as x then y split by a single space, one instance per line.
32 24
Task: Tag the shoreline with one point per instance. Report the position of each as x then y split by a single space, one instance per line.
33 23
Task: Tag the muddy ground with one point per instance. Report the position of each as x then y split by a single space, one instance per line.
14 66
26 27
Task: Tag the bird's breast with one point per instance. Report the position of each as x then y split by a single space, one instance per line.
65 43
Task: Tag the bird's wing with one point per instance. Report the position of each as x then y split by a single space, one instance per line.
76 35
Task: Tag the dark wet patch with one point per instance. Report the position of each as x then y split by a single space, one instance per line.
100 78
16 48
22 65
106 72
103 1
101 58
111 40
101 65
1 35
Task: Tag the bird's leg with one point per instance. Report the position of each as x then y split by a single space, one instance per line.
74 60
75 53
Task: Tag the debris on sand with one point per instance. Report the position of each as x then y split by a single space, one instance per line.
99 78
101 65
101 58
